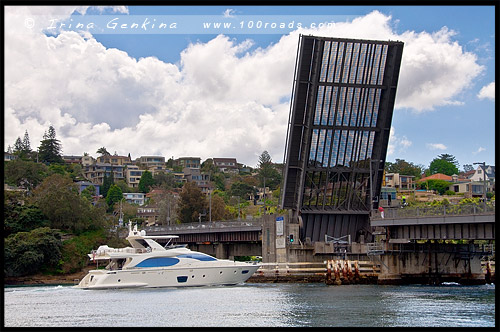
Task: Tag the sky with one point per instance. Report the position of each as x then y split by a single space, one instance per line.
157 80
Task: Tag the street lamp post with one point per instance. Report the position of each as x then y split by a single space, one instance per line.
264 195
484 179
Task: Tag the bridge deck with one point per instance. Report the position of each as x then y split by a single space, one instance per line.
471 222
219 231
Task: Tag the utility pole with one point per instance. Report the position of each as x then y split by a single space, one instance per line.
264 195
168 218
210 205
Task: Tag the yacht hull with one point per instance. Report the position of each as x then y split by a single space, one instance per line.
168 277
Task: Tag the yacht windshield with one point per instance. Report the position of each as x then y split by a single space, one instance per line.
198 256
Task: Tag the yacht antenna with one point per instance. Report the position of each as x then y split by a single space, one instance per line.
168 242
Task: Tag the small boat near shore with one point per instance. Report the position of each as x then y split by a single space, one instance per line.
149 264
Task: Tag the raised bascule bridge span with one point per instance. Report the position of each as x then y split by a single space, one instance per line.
341 109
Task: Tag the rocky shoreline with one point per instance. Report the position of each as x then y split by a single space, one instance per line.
41 279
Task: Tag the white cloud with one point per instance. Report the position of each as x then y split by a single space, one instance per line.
481 149
397 144
96 96
434 71
436 146
487 91
229 13
434 68
113 9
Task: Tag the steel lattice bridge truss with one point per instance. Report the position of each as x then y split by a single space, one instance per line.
338 132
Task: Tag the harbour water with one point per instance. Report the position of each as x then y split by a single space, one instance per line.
253 305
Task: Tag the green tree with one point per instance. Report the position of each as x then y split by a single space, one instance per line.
166 203
264 158
192 203
50 148
164 180
59 200
129 210
208 167
18 146
75 171
267 172
107 181
88 193
27 253
22 173
169 163
22 148
58 168
146 182
449 158
219 209
103 152
468 167
242 190
220 181
74 250
22 218
441 186
114 195
26 144
124 187
404 168
439 165
250 180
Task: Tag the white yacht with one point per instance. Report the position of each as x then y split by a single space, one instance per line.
149 264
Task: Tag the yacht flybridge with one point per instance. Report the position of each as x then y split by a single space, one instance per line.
148 264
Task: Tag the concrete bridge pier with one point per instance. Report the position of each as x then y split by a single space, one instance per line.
434 264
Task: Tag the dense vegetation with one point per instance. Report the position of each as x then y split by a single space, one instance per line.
50 227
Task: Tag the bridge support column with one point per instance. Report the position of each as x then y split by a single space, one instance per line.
221 251
439 263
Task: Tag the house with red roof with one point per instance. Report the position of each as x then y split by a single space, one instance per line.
437 176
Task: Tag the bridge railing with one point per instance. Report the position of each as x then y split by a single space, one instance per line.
203 226
433 211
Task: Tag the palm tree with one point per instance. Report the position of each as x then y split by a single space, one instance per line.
103 152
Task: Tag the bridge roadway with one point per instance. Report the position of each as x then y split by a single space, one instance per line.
452 222
222 239
212 232
472 222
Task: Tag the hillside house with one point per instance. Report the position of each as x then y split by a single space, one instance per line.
226 165
135 198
